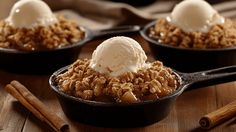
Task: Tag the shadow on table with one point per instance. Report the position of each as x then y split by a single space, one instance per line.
198 129
232 122
85 128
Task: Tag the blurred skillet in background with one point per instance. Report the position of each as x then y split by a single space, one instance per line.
47 61
187 59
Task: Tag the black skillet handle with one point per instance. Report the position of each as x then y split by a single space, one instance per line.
209 77
116 31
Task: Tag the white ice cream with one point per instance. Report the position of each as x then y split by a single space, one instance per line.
30 13
195 15
118 55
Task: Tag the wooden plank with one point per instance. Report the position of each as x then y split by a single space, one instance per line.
5 111
12 115
193 104
11 112
3 95
226 93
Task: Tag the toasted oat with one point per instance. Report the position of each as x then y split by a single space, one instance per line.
147 84
63 33
219 36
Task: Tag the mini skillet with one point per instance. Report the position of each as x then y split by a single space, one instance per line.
47 61
189 59
136 114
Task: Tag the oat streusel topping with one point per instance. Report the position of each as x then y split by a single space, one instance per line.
219 36
147 84
63 33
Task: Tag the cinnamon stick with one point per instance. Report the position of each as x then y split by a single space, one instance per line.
34 105
219 116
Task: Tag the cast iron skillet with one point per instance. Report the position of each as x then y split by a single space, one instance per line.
46 62
136 114
186 59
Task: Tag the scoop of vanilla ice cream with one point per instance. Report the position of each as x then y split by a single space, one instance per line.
118 55
30 13
195 15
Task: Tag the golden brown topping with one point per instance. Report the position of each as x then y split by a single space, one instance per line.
147 84
219 36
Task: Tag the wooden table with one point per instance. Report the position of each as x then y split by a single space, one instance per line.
188 109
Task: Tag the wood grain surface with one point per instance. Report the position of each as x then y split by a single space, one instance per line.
184 116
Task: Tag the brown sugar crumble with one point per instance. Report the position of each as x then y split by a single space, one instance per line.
64 32
219 36
147 84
